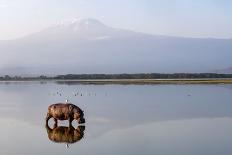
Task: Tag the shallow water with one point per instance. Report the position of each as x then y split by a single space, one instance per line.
120 119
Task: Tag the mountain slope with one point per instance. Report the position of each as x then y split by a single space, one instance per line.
225 71
88 46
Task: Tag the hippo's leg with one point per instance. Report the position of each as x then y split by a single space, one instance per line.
54 125
56 121
48 117
70 121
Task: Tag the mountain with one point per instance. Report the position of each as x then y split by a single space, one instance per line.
89 46
224 71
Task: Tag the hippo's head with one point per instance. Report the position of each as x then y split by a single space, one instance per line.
79 115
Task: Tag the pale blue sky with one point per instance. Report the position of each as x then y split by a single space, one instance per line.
189 18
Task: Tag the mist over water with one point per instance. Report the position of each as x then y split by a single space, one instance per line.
120 119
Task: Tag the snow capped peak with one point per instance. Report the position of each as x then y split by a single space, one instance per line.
81 24
89 28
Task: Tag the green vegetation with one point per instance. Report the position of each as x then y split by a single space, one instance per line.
152 78
144 76
121 76
148 81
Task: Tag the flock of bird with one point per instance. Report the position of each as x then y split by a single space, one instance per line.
75 94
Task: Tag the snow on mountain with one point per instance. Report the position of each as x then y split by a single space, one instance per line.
81 24
83 28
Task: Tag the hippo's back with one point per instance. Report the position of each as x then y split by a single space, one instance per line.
60 111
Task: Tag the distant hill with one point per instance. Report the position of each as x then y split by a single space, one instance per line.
89 46
225 71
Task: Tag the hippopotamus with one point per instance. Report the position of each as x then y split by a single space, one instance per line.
62 134
65 111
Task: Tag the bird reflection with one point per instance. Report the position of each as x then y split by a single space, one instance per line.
63 134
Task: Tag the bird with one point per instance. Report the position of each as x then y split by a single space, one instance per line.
67 145
66 101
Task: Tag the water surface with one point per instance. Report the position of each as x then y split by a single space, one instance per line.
120 119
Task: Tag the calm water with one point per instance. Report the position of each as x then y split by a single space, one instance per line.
120 119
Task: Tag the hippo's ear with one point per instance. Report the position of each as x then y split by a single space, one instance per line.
70 108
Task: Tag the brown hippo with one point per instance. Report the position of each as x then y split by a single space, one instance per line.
65 111
62 134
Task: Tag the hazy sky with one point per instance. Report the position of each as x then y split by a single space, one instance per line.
190 18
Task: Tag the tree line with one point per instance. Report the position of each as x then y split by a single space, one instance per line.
121 76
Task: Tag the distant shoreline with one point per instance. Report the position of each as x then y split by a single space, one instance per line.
139 78
151 81
130 81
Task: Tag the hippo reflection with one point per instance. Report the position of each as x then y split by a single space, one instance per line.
62 134
65 111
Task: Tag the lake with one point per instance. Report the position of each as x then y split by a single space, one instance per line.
120 119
